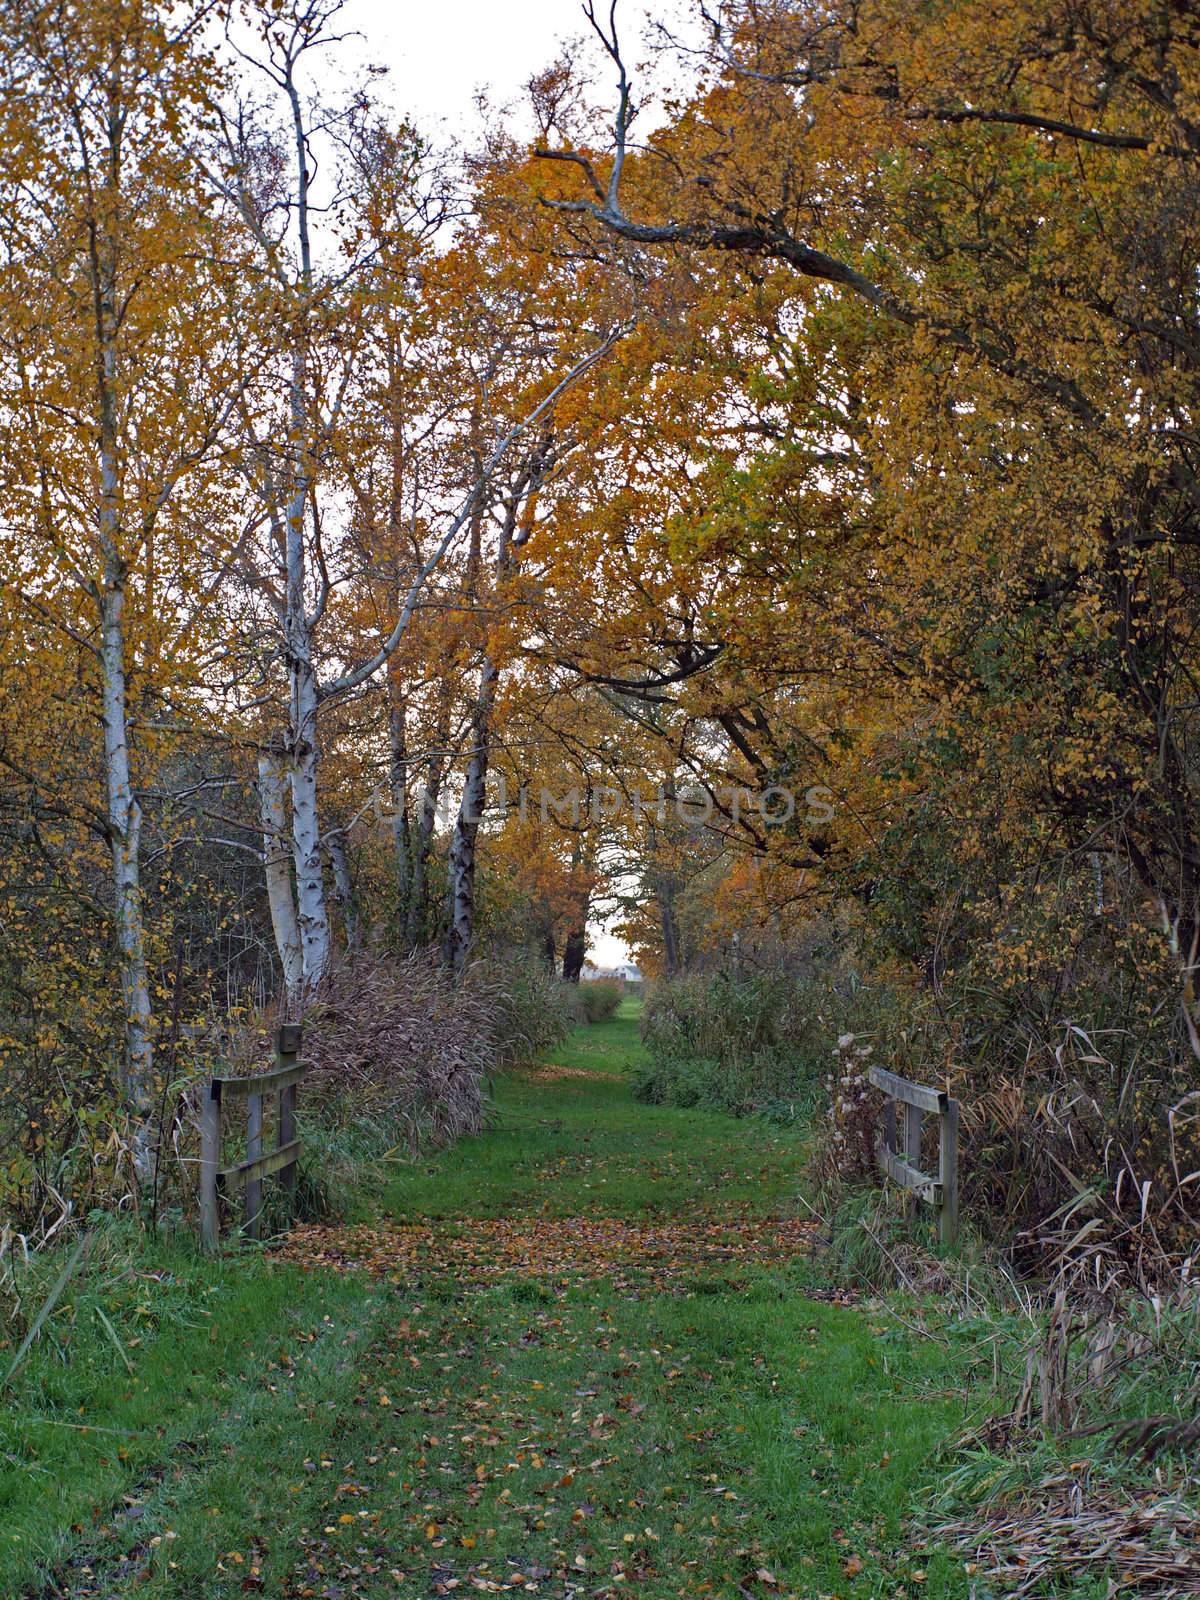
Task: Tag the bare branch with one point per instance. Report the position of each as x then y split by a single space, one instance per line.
367 669
766 237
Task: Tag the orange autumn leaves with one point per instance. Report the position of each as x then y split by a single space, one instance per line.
662 1254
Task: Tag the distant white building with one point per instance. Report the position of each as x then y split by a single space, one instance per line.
625 971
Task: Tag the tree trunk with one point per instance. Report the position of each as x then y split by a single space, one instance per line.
306 830
575 948
124 815
277 863
461 928
670 933
343 885
125 824
416 927
466 829
416 930
574 951
664 886
398 783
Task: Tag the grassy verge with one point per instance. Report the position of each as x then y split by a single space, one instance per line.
190 1383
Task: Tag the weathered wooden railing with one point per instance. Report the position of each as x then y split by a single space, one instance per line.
904 1166
248 1175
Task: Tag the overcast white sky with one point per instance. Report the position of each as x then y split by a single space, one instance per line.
440 55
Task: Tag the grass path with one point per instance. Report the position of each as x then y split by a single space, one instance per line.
583 1354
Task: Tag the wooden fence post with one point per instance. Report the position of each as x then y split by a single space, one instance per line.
288 1037
282 1084
912 1148
254 1188
948 1173
904 1168
210 1162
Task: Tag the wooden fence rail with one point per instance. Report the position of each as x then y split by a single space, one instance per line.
903 1166
248 1175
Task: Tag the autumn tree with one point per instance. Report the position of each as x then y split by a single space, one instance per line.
116 397
983 432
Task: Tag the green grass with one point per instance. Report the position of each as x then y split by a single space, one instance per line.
611 1046
308 1433
89 1450
580 1144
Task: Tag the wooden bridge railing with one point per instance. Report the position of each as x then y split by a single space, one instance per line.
904 1166
248 1175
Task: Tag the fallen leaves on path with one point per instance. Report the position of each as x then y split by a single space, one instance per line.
482 1249
495 1447
556 1071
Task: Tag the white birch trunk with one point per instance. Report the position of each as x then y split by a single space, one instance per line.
277 865
124 814
306 828
398 775
313 909
466 828
125 824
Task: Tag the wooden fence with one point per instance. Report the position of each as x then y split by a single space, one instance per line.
248 1175
903 1166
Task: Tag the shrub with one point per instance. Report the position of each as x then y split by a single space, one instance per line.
739 1043
1079 1134
387 1042
397 1055
531 1008
600 998
846 1154
573 1003
396 1043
